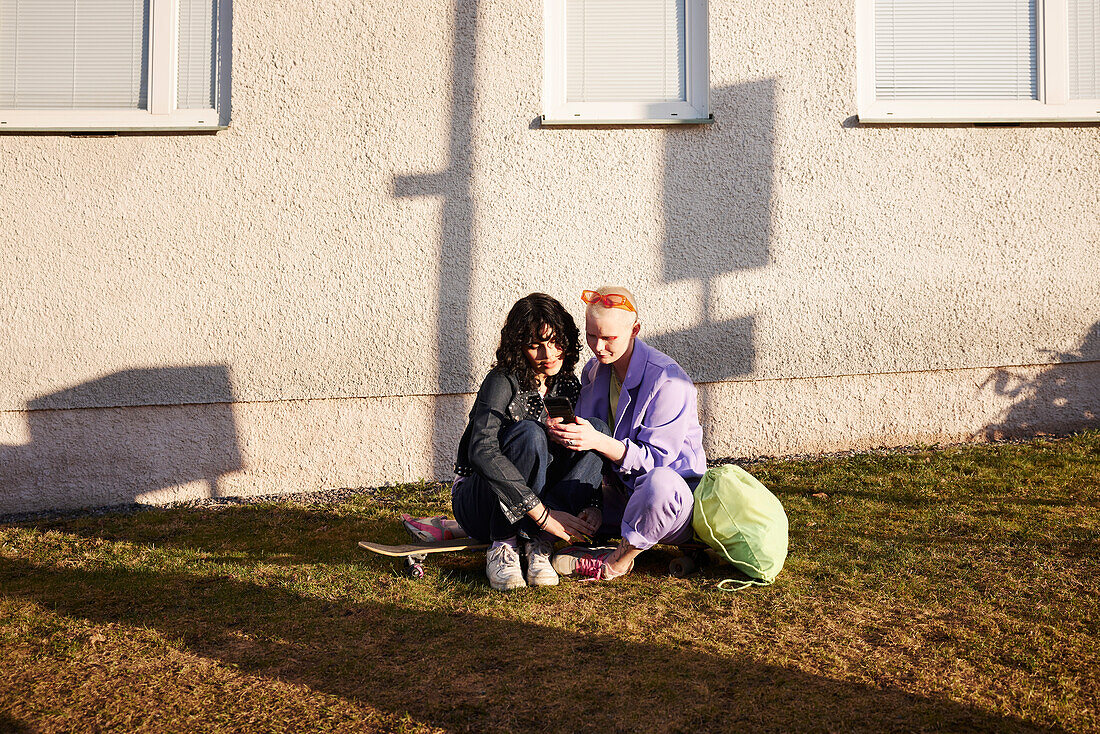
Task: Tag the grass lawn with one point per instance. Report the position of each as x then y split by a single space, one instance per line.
952 589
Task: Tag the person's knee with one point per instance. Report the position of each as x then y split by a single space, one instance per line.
658 509
664 486
600 426
526 435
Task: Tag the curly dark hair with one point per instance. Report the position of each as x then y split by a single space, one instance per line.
529 318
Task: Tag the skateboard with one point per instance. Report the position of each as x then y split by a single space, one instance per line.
416 553
695 556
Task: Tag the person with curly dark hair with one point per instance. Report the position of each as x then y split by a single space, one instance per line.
515 485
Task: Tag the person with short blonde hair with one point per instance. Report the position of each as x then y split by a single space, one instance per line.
655 445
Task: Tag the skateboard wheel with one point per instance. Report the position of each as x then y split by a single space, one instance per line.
414 567
701 558
681 567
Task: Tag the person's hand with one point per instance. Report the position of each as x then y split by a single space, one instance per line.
592 516
553 526
579 436
577 528
563 525
555 428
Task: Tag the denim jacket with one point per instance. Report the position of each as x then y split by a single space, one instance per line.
499 404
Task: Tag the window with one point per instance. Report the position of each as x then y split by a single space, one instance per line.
626 61
108 65
978 60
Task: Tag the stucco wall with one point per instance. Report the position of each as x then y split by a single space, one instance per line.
290 296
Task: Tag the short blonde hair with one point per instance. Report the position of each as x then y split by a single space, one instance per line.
607 290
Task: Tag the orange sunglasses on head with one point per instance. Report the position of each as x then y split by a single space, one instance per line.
611 300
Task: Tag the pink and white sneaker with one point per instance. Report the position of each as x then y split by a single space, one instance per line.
587 562
427 529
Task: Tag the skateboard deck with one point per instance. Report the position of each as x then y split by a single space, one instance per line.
416 553
420 549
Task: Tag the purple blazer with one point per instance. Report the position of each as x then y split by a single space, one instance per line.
658 417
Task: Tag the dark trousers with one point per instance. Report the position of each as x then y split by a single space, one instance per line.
562 478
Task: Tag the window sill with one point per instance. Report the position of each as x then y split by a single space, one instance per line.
584 122
963 112
110 121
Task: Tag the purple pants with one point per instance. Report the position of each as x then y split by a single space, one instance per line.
658 511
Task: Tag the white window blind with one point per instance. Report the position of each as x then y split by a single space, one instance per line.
1084 49
625 50
74 54
197 46
955 49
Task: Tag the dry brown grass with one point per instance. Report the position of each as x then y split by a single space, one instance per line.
933 591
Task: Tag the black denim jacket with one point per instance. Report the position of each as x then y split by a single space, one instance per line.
500 403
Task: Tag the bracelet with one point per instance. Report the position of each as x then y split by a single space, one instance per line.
541 522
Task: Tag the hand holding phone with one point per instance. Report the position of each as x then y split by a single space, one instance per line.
560 408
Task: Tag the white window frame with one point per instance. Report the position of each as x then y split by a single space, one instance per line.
162 113
1053 103
557 111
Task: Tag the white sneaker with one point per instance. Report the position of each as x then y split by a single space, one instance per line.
502 568
539 570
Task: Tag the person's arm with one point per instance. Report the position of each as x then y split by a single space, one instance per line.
664 429
658 440
593 513
484 454
506 481
583 436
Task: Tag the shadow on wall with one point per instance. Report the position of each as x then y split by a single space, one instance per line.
83 454
718 182
1064 397
454 186
718 190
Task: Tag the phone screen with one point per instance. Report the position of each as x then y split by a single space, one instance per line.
560 408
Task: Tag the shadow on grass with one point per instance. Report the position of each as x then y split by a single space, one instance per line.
246 535
288 535
9 725
471 672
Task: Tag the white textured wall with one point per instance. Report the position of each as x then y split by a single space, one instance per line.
289 296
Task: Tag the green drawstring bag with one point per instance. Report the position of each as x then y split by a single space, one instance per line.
737 516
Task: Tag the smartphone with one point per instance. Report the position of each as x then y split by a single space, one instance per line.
560 408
